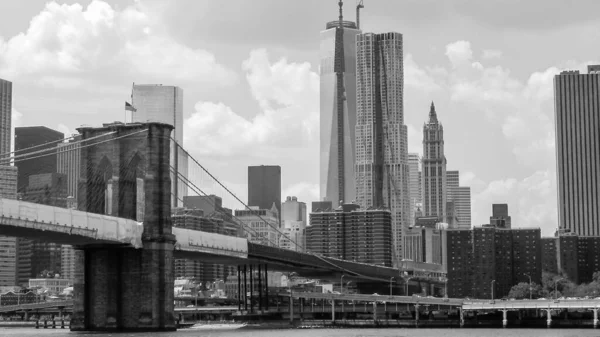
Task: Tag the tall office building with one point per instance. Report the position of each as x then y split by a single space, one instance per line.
500 217
434 168
15 254
338 111
414 183
577 118
164 104
382 173
461 197
68 162
5 115
293 224
43 138
264 187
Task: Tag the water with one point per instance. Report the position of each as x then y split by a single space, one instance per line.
27 332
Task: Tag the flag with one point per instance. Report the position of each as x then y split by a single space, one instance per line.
129 107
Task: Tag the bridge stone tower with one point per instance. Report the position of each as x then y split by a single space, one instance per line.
123 288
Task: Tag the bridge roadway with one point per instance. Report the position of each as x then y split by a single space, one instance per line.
68 226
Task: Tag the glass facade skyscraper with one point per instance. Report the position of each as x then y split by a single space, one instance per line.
338 111
164 104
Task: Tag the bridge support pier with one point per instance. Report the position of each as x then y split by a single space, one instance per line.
549 317
417 313
126 289
374 311
595 310
332 310
462 317
504 318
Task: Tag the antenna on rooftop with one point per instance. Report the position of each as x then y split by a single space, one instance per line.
358 7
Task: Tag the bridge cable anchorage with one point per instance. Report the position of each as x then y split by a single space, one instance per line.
232 194
196 189
194 186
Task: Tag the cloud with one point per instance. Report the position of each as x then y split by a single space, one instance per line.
64 129
488 54
305 191
68 45
532 200
415 139
459 52
288 96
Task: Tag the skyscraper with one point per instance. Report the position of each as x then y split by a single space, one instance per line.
414 182
382 173
68 162
338 111
15 255
164 104
461 197
434 168
577 114
264 187
5 115
43 138
500 217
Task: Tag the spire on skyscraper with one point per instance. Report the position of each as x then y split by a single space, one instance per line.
341 4
432 115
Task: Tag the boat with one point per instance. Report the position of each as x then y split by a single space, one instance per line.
218 326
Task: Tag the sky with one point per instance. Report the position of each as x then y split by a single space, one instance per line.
249 71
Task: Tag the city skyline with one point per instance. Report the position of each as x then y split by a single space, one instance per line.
485 92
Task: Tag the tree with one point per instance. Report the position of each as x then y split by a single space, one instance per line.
521 291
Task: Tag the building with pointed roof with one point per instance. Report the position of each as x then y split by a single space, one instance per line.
434 168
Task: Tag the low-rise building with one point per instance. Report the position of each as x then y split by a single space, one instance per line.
53 285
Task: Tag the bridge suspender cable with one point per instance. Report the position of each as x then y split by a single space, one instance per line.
244 204
231 193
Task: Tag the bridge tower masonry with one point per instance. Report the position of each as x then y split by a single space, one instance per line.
126 289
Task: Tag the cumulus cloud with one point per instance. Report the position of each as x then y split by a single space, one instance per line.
459 52
65 45
288 96
488 54
532 200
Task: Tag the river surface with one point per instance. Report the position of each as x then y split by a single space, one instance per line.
31 332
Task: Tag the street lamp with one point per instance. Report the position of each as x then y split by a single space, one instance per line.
342 284
391 278
493 281
530 296
555 284
407 279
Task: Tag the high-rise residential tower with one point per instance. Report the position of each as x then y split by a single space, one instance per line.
382 172
338 111
164 104
414 182
434 168
264 187
577 114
